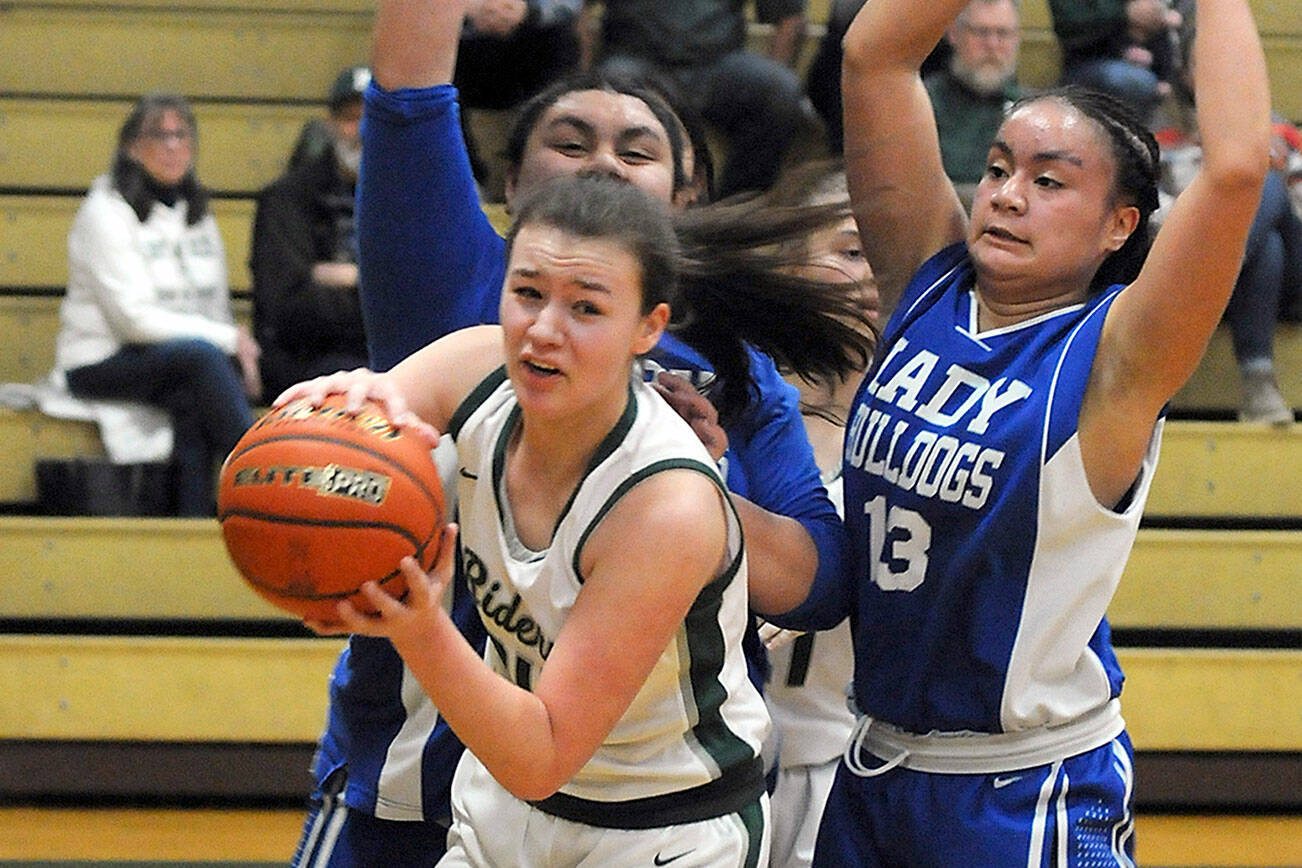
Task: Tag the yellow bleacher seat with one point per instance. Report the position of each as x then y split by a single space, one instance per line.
237 53
1176 579
242 146
109 688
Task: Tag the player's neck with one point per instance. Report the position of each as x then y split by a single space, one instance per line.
546 459
1000 306
543 468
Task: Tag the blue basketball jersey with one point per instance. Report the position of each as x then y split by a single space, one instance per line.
984 564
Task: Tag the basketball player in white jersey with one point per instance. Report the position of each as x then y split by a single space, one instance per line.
611 720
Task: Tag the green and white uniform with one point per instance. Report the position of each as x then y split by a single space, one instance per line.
682 765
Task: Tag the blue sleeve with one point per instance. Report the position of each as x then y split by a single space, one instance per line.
770 448
430 261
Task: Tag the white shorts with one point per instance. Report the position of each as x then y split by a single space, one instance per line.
491 827
798 799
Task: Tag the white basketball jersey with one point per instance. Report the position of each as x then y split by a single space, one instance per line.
697 723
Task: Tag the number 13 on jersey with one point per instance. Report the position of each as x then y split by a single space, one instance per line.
899 541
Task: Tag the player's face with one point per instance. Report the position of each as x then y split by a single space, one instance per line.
572 323
1045 212
835 254
164 148
599 132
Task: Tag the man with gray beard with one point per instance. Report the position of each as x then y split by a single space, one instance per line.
970 96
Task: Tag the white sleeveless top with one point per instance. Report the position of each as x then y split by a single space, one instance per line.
688 746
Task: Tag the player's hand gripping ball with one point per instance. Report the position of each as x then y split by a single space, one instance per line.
315 501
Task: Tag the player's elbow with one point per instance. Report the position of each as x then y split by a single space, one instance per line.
1239 166
532 785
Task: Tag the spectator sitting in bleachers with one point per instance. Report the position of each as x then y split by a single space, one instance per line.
306 312
147 316
700 46
970 96
1125 48
1272 262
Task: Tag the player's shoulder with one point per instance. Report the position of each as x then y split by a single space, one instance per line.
677 514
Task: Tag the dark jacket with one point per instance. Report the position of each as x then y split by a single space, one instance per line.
304 328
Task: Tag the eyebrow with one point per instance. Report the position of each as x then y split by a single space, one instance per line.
1041 156
588 129
590 285
573 121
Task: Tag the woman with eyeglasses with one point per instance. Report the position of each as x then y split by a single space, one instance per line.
147 316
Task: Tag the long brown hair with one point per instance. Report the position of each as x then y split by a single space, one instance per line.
130 178
737 289
734 286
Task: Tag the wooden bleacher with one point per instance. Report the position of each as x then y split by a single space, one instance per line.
109 620
135 664
242 148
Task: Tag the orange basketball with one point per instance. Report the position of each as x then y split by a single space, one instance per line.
315 501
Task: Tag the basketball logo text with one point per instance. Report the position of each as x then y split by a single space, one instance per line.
497 608
332 480
373 423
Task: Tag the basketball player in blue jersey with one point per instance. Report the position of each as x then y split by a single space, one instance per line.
431 263
810 671
612 720
998 456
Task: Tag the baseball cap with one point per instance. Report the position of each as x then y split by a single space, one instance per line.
349 85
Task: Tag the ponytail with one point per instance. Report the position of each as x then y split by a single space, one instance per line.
735 290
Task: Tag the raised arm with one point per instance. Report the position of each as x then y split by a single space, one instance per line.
414 42
903 201
430 260
1157 330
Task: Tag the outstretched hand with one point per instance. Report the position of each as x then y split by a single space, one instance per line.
358 387
696 409
407 620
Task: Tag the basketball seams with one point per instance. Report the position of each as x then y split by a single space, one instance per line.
316 598
330 503
340 523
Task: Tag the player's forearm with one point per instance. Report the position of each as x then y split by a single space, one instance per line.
1233 93
781 557
896 33
414 42
506 727
430 260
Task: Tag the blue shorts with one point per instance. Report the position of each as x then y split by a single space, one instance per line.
337 836
1072 813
